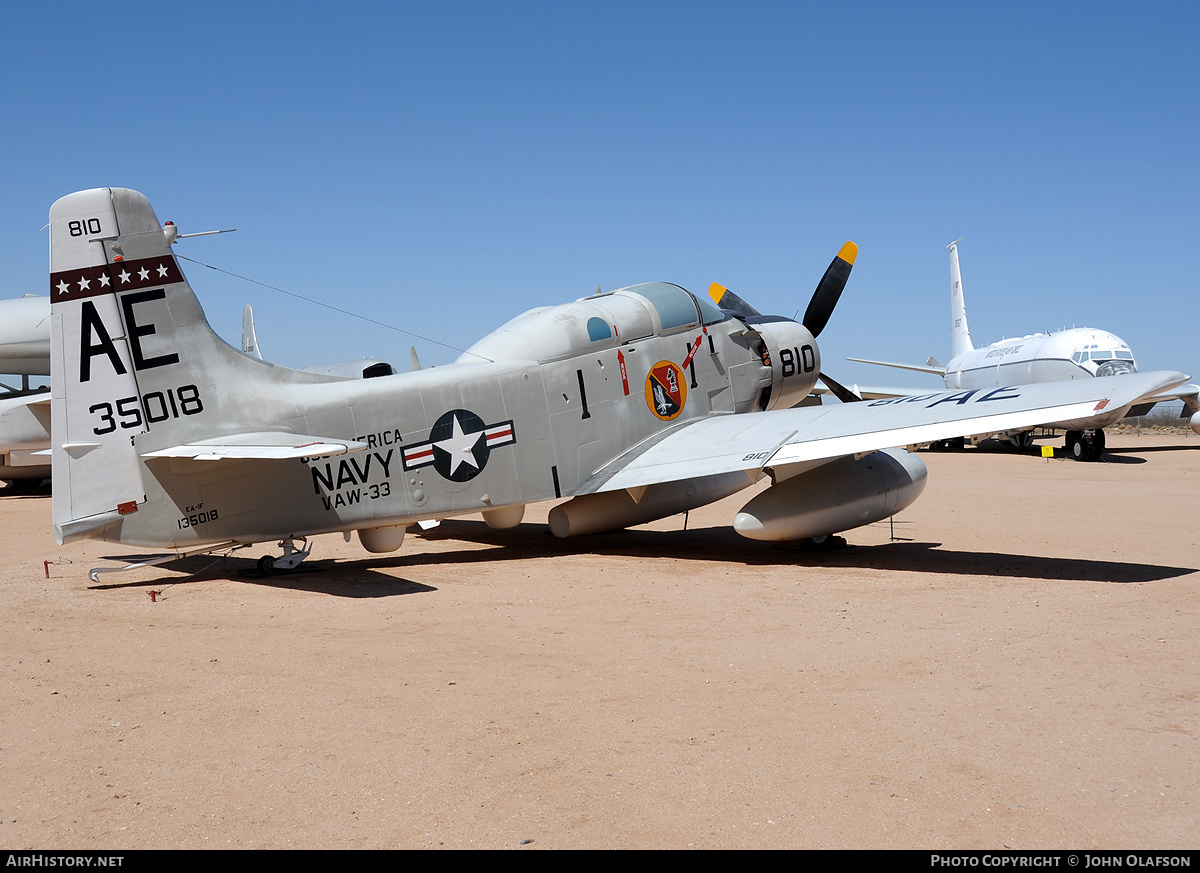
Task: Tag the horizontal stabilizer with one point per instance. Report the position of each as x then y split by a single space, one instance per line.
268 446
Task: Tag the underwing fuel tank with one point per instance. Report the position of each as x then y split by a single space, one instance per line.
1194 423
614 510
837 496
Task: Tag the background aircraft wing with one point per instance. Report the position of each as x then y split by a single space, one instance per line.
1189 394
804 435
926 368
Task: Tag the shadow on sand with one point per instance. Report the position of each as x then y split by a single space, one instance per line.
372 577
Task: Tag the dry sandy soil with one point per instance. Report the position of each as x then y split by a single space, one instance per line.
1017 668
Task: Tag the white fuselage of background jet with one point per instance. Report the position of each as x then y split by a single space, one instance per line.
1078 353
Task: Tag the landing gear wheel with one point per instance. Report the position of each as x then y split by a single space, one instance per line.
1079 447
1085 445
290 559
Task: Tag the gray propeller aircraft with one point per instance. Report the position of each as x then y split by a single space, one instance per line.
629 406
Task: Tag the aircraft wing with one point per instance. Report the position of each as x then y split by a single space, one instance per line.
936 371
260 446
754 441
1189 394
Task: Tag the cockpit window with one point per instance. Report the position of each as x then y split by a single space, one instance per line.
676 307
598 329
709 313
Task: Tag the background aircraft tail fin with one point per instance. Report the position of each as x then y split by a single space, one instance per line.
960 335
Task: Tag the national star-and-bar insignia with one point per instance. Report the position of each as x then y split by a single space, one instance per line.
459 444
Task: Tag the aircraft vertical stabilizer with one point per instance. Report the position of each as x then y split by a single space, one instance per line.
135 366
960 335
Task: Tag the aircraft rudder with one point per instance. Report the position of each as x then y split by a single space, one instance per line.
960 334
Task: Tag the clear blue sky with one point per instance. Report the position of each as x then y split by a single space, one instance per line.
442 167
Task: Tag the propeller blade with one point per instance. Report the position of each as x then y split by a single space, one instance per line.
829 289
841 392
730 302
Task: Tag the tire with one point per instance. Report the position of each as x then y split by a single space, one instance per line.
1079 447
266 564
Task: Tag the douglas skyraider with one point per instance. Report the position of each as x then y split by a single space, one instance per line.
629 406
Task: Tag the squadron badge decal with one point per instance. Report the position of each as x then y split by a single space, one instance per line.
666 390
459 444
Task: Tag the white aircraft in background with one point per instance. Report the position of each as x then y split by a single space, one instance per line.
1078 353
630 406
25 411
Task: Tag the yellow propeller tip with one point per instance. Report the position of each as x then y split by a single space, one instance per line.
716 291
848 253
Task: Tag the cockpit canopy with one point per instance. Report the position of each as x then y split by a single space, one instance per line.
603 321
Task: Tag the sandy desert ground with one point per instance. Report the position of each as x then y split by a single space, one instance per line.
1018 668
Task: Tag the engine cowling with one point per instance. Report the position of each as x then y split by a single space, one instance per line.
795 361
1194 422
843 494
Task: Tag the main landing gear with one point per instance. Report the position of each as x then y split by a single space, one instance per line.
1085 445
289 560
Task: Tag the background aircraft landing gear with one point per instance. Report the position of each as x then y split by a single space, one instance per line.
289 560
1086 445
1022 441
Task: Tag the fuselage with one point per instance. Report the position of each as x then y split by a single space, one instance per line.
531 412
25 336
1078 353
